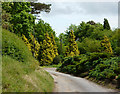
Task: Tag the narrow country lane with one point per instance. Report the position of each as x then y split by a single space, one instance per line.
69 83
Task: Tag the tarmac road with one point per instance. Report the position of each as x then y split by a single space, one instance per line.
68 83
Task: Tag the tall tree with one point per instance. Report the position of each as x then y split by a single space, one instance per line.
35 46
106 45
21 19
54 45
106 24
73 48
38 7
46 52
41 28
32 44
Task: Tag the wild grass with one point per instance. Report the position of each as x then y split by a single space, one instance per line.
20 71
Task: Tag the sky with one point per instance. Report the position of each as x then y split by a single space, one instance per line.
63 14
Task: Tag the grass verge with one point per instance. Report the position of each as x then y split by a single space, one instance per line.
20 71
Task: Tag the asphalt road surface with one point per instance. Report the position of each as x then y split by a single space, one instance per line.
68 83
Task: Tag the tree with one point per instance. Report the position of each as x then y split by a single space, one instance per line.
38 7
32 44
41 28
106 24
46 52
106 45
73 48
54 44
91 22
72 27
35 46
61 43
22 21
26 42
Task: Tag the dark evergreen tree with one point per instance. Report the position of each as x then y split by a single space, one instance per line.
106 24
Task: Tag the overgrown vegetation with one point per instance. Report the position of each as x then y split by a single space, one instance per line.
20 70
21 40
88 50
99 55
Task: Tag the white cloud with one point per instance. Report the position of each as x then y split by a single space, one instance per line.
65 13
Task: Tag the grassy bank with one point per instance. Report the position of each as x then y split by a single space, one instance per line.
20 71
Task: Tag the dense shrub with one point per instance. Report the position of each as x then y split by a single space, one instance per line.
62 58
117 51
14 47
96 65
68 65
118 81
57 60
96 56
105 70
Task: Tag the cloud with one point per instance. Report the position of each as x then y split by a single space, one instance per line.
100 8
86 8
63 14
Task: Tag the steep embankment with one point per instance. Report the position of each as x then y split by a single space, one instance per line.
20 71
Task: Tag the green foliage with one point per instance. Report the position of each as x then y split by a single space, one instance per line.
71 27
68 66
16 7
105 70
115 44
117 51
41 28
20 72
35 46
32 44
61 48
73 48
57 60
106 24
118 78
97 65
96 56
106 45
14 47
20 21
47 51
26 42
99 48
89 45
5 20
23 23
54 44
87 30
118 81
38 7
